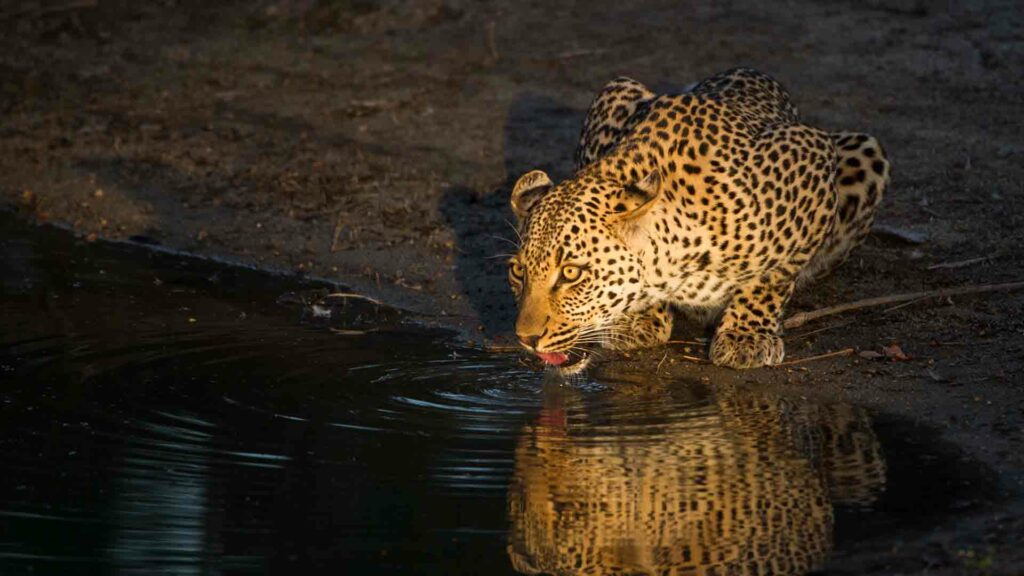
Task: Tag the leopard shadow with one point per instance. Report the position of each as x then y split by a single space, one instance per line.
540 132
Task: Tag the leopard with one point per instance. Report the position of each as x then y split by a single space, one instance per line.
715 201
737 482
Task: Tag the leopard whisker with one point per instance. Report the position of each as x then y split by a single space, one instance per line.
603 339
586 352
503 239
602 335
516 230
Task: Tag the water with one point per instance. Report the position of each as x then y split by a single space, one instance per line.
163 415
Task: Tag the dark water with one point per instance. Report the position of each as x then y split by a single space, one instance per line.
161 415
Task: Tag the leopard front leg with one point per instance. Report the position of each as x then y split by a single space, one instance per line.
748 334
646 329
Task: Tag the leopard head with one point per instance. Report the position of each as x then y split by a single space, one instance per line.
577 270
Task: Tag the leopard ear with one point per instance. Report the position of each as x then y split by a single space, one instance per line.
530 188
636 199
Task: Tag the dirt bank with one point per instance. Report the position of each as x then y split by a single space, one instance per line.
374 144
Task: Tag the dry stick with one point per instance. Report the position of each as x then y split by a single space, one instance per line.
581 52
492 41
354 296
797 320
501 348
337 233
909 236
687 342
789 337
663 358
904 305
51 9
350 332
959 263
795 361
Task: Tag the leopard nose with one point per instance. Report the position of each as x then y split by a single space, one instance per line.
529 341
530 329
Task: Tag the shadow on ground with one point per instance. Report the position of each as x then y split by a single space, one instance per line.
540 133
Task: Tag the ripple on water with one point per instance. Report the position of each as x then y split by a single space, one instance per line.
159 415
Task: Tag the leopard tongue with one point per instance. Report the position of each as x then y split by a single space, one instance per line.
553 358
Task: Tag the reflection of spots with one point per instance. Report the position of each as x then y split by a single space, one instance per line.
744 485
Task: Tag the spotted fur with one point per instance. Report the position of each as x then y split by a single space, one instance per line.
717 200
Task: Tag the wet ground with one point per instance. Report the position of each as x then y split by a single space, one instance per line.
167 415
374 143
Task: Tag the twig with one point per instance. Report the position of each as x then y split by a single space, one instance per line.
492 41
904 305
55 8
353 296
501 348
959 263
789 337
795 361
337 233
373 104
687 342
581 52
663 358
908 236
693 359
350 332
797 320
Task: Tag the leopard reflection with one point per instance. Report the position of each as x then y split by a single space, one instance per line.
732 482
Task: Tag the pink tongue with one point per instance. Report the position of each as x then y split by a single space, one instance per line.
553 358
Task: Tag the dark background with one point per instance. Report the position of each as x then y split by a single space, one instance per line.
374 143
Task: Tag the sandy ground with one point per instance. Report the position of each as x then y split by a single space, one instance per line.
375 144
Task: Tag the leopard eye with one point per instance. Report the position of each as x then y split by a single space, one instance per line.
516 270
571 273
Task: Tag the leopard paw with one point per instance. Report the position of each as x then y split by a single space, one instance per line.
651 328
746 349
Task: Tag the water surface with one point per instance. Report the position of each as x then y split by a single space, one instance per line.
165 415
